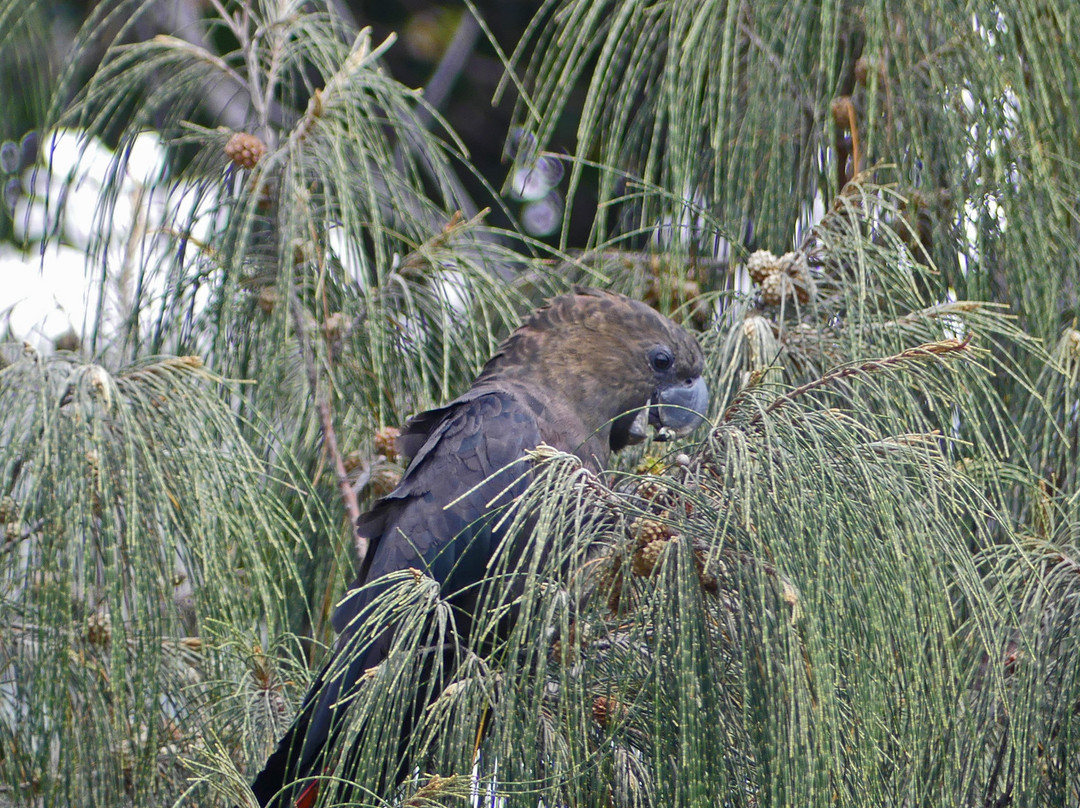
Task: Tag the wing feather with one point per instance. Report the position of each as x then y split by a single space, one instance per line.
440 519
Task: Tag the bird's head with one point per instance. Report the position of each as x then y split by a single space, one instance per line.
615 363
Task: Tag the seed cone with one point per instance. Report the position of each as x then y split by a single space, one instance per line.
645 558
245 150
386 442
605 710
646 530
761 264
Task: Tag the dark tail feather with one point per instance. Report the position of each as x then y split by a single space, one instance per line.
284 766
307 748
311 745
300 752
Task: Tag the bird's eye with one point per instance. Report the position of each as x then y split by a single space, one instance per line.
660 358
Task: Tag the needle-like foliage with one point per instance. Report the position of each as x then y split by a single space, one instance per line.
136 515
855 586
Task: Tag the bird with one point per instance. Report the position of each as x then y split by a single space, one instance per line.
587 374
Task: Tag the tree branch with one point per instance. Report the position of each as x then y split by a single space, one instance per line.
924 351
326 421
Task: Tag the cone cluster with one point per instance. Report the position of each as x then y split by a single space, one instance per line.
652 537
605 710
245 150
386 474
386 442
1074 342
98 629
778 278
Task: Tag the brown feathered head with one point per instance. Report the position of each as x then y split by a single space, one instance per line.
611 362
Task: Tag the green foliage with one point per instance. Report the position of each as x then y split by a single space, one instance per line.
136 516
748 113
857 588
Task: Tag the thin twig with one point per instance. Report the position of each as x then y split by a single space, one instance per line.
224 100
924 351
361 56
756 376
330 442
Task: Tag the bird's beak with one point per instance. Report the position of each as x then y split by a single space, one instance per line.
678 409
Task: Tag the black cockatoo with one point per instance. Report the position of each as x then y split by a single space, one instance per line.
585 374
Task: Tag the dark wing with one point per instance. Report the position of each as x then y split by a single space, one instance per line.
468 467
439 520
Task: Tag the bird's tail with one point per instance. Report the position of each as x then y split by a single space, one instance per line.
315 743
274 785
